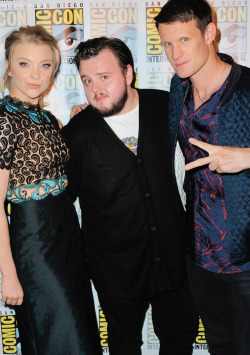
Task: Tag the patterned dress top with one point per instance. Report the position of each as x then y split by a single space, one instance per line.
33 149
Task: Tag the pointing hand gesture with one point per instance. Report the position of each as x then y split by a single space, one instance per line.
222 159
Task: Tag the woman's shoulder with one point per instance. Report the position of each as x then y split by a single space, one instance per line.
49 115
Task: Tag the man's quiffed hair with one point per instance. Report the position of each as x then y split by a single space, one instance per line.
92 47
185 11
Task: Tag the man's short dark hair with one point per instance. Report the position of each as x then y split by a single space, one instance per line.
185 11
92 47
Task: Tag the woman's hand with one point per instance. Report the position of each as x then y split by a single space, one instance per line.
12 292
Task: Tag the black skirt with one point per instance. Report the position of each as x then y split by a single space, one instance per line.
57 316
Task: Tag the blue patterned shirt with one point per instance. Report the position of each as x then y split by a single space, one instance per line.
206 206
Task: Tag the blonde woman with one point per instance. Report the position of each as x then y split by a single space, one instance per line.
41 254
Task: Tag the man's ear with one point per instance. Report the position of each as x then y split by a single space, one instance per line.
129 75
210 33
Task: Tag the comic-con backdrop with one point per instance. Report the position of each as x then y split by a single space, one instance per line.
133 22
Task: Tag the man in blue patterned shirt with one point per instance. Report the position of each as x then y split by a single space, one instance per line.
209 116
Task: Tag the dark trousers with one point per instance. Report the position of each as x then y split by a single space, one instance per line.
223 301
174 316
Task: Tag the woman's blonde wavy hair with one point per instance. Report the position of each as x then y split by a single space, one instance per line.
31 34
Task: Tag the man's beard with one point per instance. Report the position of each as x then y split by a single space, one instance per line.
116 107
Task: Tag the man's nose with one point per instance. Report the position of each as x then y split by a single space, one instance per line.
177 51
96 86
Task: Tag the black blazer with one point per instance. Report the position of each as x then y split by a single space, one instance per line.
132 217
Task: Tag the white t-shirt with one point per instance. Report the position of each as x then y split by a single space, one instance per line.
126 127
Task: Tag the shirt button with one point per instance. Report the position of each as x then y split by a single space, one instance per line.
147 194
157 259
139 161
153 228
